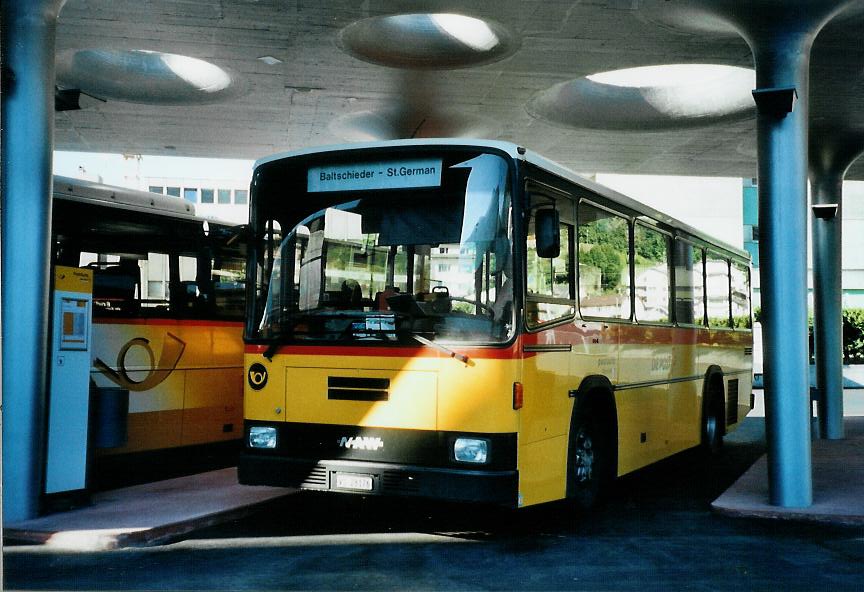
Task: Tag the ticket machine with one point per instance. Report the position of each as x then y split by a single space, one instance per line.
69 393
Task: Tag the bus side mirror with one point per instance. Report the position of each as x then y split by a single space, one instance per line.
546 224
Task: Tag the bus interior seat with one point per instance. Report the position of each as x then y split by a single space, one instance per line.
190 297
382 297
116 286
441 303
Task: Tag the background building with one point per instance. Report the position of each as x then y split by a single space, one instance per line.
724 207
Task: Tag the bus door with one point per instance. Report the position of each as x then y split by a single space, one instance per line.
689 299
547 349
647 355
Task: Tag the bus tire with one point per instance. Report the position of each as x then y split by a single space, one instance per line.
712 418
589 459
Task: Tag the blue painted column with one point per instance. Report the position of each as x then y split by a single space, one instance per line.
28 36
782 61
828 304
832 152
780 33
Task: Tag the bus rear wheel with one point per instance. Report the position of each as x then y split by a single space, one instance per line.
712 427
588 460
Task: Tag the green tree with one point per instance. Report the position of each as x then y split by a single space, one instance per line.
609 261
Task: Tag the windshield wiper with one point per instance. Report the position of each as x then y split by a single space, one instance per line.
453 354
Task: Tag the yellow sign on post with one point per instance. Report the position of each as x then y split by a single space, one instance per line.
73 279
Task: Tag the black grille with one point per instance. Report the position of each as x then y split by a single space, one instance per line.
351 388
732 403
399 483
309 477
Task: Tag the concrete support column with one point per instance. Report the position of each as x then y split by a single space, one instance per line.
28 36
828 303
832 152
780 33
782 61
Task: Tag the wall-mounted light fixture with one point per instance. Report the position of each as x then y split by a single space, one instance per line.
777 102
825 211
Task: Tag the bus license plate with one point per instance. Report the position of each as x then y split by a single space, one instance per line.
354 481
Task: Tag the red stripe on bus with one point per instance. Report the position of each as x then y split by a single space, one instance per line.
614 333
490 353
164 322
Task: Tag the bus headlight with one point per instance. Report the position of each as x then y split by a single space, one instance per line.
262 437
471 450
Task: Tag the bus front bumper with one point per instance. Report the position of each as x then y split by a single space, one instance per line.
369 478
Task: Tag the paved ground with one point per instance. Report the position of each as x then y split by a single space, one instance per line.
656 533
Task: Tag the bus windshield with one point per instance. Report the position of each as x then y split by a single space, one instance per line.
427 256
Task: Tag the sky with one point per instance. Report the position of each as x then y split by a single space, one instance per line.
117 169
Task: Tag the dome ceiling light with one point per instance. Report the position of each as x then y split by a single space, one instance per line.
661 97
149 77
437 41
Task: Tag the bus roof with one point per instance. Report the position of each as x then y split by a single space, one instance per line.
121 197
518 152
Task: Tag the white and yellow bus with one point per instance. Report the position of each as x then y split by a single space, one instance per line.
168 303
466 320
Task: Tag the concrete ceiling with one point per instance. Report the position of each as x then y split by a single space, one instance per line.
330 85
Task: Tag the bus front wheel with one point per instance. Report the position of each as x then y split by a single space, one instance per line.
588 460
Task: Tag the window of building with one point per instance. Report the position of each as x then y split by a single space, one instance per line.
688 260
241 196
156 189
717 284
173 191
207 196
651 254
224 196
604 263
190 194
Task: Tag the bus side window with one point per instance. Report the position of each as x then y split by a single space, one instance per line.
651 249
717 284
689 286
604 263
550 281
741 318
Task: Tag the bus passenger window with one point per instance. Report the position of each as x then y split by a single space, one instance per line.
689 289
604 273
550 281
651 249
741 318
717 283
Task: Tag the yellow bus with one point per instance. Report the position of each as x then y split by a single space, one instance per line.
168 307
466 320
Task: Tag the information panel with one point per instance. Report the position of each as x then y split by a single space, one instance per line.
403 174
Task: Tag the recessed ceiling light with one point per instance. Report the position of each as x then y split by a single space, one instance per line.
428 41
669 96
149 77
269 60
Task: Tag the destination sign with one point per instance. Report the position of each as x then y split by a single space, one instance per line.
401 174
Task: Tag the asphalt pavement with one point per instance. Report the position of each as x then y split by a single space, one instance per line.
655 532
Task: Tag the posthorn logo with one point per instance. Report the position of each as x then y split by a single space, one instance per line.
257 376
